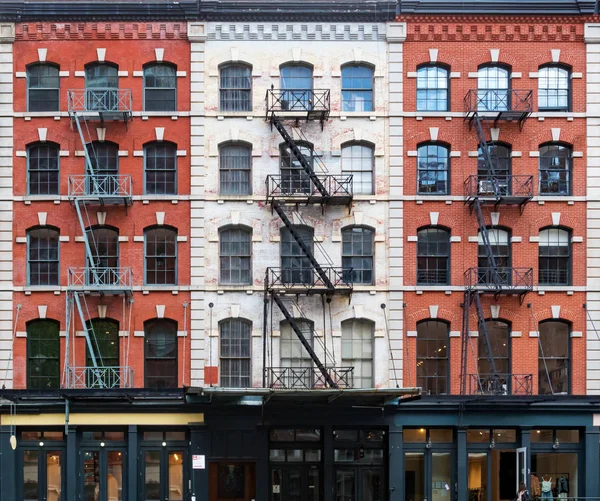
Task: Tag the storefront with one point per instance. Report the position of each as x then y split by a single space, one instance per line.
220 446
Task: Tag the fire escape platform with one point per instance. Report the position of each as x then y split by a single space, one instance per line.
499 281
101 104
101 281
298 104
101 189
495 105
309 281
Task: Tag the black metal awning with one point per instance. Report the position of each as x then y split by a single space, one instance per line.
378 397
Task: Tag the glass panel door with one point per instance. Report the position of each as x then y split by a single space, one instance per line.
152 475
176 476
314 489
114 482
414 476
53 476
478 476
521 467
42 475
372 484
345 489
91 475
31 475
441 476
164 476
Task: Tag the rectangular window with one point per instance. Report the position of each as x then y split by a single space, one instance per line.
235 251
235 354
357 351
236 88
234 170
43 83
357 88
357 160
43 172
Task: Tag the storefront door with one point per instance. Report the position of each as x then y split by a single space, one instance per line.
163 474
102 474
296 483
232 481
43 475
429 476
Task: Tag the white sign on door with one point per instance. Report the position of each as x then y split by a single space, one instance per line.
198 462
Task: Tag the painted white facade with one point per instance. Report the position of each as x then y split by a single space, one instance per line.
7 37
592 38
265 47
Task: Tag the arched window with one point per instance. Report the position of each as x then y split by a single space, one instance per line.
101 83
161 355
357 255
295 360
357 88
554 86
43 256
493 84
357 351
160 168
294 179
500 244
160 247
235 251
160 87
297 84
358 161
499 338
296 268
432 88
107 353
235 339
433 368
43 169
433 256
43 354
235 169
101 76
555 257
555 169
104 157
104 244
497 182
433 165
43 87
554 365
235 88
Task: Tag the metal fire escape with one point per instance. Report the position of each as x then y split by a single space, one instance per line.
86 191
286 193
492 189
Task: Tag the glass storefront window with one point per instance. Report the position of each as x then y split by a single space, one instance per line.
542 436
440 436
554 475
478 466
91 475
176 476
277 455
478 436
345 435
568 436
505 435
115 476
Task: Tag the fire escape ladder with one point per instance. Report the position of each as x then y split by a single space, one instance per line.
494 377
307 346
485 236
305 249
299 156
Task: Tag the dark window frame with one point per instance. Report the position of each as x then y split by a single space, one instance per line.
231 257
438 67
174 360
425 148
547 169
542 365
357 275
103 341
53 262
421 338
244 331
506 275
42 355
174 256
294 179
556 272
242 100
229 167
497 98
350 322
299 270
164 175
39 147
40 89
569 90
439 274
293 97
172 101
355 91
101 64
502 166
482 353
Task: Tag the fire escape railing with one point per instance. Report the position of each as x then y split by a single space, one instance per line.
92 188
314 278
509 105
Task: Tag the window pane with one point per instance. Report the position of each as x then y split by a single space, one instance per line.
415 435
106 350
43 85
554 360
357 255
161 256
235 338
562 468
433 256
493 93
414 475
161 169
43 170
432 357
357 351
43 260
553 88
296 267
357 88
91 476
236 88
235 169
101 75
432 89
357 161
160 87
161 349
294 178
477 465
433 165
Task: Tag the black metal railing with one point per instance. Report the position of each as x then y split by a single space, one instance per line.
100 185
499 279
308 378
500 384
302 186
499 100
308 278
103 100
298 100
498 186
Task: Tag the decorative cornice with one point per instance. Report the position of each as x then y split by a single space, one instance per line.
100 31
472 29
